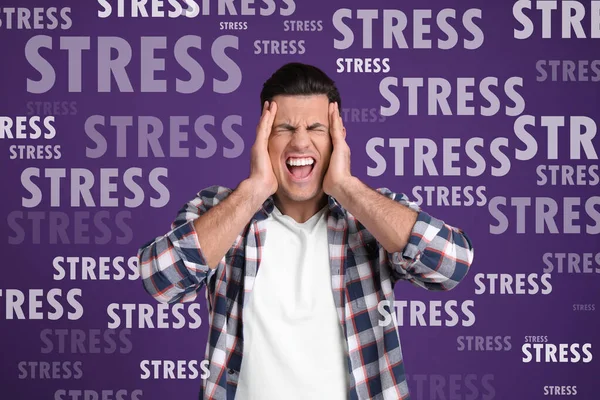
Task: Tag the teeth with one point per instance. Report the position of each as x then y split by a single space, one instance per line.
300 161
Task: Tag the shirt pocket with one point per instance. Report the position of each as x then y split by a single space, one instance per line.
360 269
369 251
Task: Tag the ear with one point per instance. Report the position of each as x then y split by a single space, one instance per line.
344 133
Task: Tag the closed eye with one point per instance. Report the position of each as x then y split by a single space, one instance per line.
317 127
285 128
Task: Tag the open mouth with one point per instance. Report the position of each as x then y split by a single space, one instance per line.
300 168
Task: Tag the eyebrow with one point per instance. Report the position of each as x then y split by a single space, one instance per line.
316 125
289 127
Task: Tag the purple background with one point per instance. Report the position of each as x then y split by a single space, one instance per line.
427 350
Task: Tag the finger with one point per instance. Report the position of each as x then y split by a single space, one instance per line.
264 124
264 110
271 119
341 121
331 118
265 107
337 128
272 111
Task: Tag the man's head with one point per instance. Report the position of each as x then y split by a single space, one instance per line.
300 132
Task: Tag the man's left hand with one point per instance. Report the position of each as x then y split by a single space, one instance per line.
338 172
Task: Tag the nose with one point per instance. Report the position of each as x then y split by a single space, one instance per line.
300 139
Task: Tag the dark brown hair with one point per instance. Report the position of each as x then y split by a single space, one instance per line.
299 79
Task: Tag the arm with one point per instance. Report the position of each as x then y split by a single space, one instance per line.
221 225
175 266
419 247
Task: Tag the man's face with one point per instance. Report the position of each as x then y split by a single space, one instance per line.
300 145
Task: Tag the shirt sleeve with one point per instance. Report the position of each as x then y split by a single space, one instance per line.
173 267
437 255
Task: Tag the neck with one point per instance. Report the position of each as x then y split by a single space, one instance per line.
300 211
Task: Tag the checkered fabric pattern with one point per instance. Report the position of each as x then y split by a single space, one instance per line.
363 274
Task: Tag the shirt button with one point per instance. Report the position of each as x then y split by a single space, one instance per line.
231 371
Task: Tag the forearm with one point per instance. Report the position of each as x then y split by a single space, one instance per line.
421 248
388 221
218 228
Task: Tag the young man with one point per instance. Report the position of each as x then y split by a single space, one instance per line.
328 248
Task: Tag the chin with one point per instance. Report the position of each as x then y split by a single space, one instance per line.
301 194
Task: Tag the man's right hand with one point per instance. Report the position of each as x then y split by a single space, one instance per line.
218 227
261 170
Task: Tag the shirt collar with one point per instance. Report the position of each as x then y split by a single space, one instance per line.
269 205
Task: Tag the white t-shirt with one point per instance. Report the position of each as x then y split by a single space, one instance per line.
294 347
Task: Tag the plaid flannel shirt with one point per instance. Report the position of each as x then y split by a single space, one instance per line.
363 273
